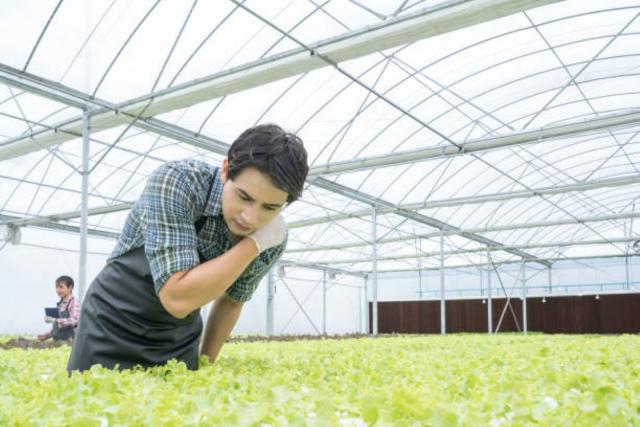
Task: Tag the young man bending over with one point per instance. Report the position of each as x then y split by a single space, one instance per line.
198 233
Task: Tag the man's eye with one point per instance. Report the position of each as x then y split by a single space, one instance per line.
270 208
243 197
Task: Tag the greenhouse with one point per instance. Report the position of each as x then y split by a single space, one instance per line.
464 250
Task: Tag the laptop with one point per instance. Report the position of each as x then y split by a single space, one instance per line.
51 312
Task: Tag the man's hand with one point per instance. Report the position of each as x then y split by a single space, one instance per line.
48 319
270 235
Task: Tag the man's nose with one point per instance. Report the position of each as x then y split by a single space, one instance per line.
250 216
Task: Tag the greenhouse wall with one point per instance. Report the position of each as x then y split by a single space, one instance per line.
606 314
32 267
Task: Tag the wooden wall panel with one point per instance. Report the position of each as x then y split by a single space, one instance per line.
609 314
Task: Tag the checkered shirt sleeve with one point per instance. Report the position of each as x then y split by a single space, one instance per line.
168 211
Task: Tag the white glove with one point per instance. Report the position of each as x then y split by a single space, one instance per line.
49 319
270 235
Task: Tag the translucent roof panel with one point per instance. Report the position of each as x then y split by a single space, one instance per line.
517 130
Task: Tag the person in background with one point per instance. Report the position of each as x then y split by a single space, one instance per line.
63 327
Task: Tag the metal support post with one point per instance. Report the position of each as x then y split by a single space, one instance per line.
550 280
360 309
489 297
324 302
626 270
419 267
84 209
374 248
366 305
524 299
270 301
443 317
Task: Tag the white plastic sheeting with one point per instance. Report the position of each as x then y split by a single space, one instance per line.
357 80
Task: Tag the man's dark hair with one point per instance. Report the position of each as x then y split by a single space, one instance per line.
278 154
68 281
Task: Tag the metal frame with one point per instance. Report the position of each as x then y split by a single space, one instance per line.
326 285
221 148
436 254
390 33
492 229
550 260
611 121
485 198
423 219
184 135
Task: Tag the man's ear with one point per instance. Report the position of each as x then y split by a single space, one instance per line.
224 173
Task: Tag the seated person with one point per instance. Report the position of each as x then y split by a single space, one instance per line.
68 312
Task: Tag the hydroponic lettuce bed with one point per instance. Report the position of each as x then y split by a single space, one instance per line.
440 381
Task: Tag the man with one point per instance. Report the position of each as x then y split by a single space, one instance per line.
198 233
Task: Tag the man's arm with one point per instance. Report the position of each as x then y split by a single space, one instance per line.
188 290
223 317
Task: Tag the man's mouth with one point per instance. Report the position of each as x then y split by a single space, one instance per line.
241 227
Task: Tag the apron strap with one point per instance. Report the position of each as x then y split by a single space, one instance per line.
200 223
203 219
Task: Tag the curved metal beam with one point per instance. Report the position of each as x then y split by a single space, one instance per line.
393 32
423 219
436 254
560 189
483 144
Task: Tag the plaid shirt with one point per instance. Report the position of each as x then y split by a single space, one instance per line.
163 220
72 306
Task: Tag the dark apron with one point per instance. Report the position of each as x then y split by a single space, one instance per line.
123 324
64 333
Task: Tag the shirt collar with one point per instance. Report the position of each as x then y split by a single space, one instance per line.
214 203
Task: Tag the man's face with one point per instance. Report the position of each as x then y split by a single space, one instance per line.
249 201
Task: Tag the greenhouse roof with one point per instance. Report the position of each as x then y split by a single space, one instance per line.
508 126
